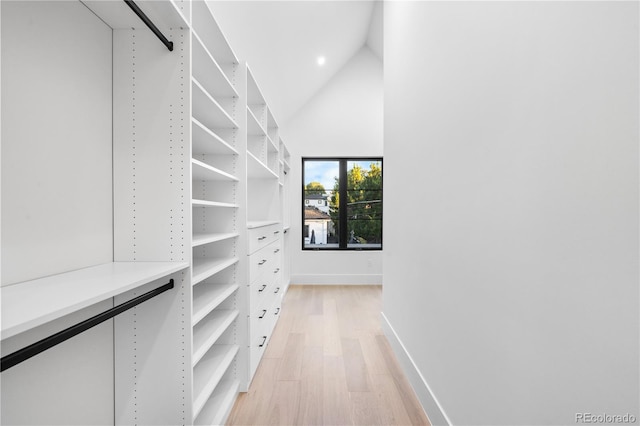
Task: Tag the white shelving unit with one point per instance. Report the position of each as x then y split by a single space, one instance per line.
121 235
191 174
266 191
217 173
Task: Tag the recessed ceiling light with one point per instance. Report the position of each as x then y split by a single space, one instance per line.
321 60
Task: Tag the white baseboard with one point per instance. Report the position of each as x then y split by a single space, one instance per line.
346 279
430 404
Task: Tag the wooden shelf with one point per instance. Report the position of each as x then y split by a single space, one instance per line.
207 110
219 405
203 268
32 303
209 330
208 73
201 239
209 371
205 203
257 169
203 171
206 142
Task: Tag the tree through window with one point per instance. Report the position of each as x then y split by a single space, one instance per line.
326 182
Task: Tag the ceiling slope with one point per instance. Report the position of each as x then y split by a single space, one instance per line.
281 41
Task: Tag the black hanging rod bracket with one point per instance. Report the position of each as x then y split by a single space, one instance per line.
149 24
34 349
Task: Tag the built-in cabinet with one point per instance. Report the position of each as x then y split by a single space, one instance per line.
217 177
194 190
265 189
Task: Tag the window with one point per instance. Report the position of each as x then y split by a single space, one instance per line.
330 224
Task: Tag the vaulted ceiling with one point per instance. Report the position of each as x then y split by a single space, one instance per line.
282 41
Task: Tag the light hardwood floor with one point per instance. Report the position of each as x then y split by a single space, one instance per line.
329 363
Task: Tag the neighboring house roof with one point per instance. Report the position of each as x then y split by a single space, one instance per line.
315 196
313 213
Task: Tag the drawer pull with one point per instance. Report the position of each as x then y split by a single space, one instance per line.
277 311
276 271
262 262
261 238
276 250
264 312
277 290
264 340
276 232
262 289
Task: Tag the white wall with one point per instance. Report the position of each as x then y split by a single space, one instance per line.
59 205
343 119
517 298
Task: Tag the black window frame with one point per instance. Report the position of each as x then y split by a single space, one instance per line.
342 191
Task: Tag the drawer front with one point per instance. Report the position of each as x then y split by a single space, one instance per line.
265 260
260 291
263 236
262 322
255 355
259 319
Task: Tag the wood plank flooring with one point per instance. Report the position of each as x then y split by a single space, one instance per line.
329 363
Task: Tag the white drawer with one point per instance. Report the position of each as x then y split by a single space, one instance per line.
260 326
260 291
255 354
263 236
265 260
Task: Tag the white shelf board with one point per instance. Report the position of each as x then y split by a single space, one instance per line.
254 128
207 110
206 203
203 171
218 407
207 297
254 94
206 142
32 303
203 268
257 169
271 146
117 15
201 239
260 223
208 73
209 371
209 331
209 31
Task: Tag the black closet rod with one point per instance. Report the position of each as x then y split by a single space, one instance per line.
150 24
34 349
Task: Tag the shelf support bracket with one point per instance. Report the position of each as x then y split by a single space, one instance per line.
34 349
149 24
